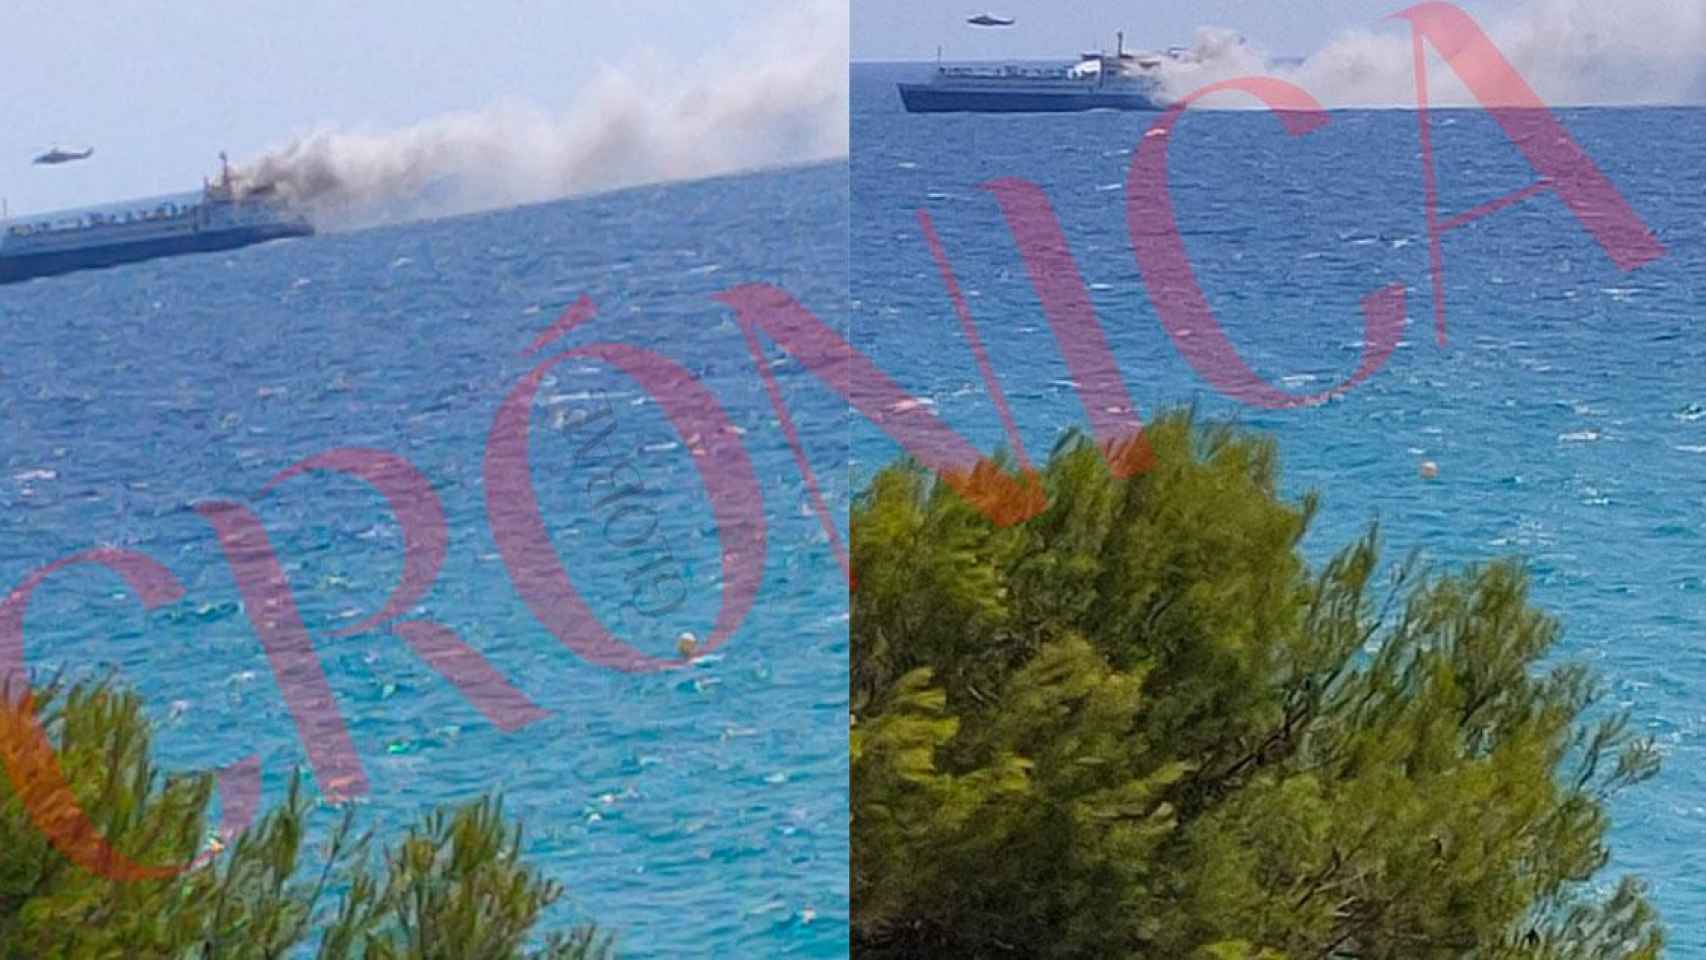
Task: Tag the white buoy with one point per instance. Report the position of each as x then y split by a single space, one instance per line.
1430 470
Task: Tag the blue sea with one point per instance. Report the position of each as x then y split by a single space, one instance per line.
699 811
1566 410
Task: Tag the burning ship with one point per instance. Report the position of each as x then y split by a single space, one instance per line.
221 218
1121 80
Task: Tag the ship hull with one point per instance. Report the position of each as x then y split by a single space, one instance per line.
15 268
933 98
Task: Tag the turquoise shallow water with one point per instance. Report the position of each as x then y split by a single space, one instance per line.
698 812
1566 410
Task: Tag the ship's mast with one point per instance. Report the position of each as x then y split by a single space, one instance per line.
1115 65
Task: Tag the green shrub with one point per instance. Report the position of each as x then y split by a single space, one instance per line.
1138 725
453 888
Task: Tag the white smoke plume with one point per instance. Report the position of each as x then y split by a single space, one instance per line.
781 100
1571 52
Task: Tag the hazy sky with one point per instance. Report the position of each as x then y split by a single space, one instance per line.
911 29
159 87
1571 52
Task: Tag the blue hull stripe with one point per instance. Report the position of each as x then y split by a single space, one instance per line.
923 98
28 266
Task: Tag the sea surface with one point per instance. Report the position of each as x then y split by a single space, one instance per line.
699 811
1566 409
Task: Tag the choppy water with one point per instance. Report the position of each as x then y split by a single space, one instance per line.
699 812
1567 410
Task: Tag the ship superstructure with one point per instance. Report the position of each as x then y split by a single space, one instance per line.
1121 80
